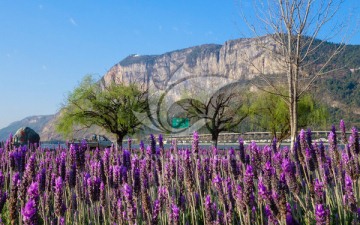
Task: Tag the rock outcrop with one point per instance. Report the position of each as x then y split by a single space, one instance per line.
26 135
241 59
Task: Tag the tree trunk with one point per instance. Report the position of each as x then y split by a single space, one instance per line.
119 141
293 125
214 139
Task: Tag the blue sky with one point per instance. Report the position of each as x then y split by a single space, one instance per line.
46 47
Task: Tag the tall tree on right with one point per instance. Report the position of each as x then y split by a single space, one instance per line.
294 27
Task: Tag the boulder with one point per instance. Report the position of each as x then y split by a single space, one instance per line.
26 135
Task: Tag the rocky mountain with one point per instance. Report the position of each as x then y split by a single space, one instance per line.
210 67
240 59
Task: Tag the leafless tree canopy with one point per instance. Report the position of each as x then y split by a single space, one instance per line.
295 27
222 111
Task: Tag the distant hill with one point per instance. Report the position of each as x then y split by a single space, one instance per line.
37 123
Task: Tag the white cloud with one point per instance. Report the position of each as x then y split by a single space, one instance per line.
72 21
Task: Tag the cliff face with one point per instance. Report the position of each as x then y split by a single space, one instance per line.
240 59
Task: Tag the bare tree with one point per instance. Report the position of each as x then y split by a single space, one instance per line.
222 111
294 27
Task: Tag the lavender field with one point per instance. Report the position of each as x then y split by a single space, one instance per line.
153 185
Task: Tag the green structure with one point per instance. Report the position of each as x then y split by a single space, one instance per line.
180 122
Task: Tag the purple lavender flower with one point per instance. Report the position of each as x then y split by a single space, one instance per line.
274 145
248 185
80 154
195 143
144 175
29 213
269 214
266 154
289 217
302 138
215 166
308 137
277 161
268 172
106 161
234 167
142 147
94 188
281 195
128 192
220 218
217 180
319 192
72 176
73 204
111 178
152 144
131 207
162 195
355 137
28 177
175 214
210 214
58 198
2 179
136 181
320 215
127 159
33 192
13 210
117 176
349 197
322 151
349 164
148 151
161 142
41 179
62 221
309 159
182 202
343 132
333 129
288 168
263 193
242 150
333 148
120 211
285 152
62 167
189 175
156 211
